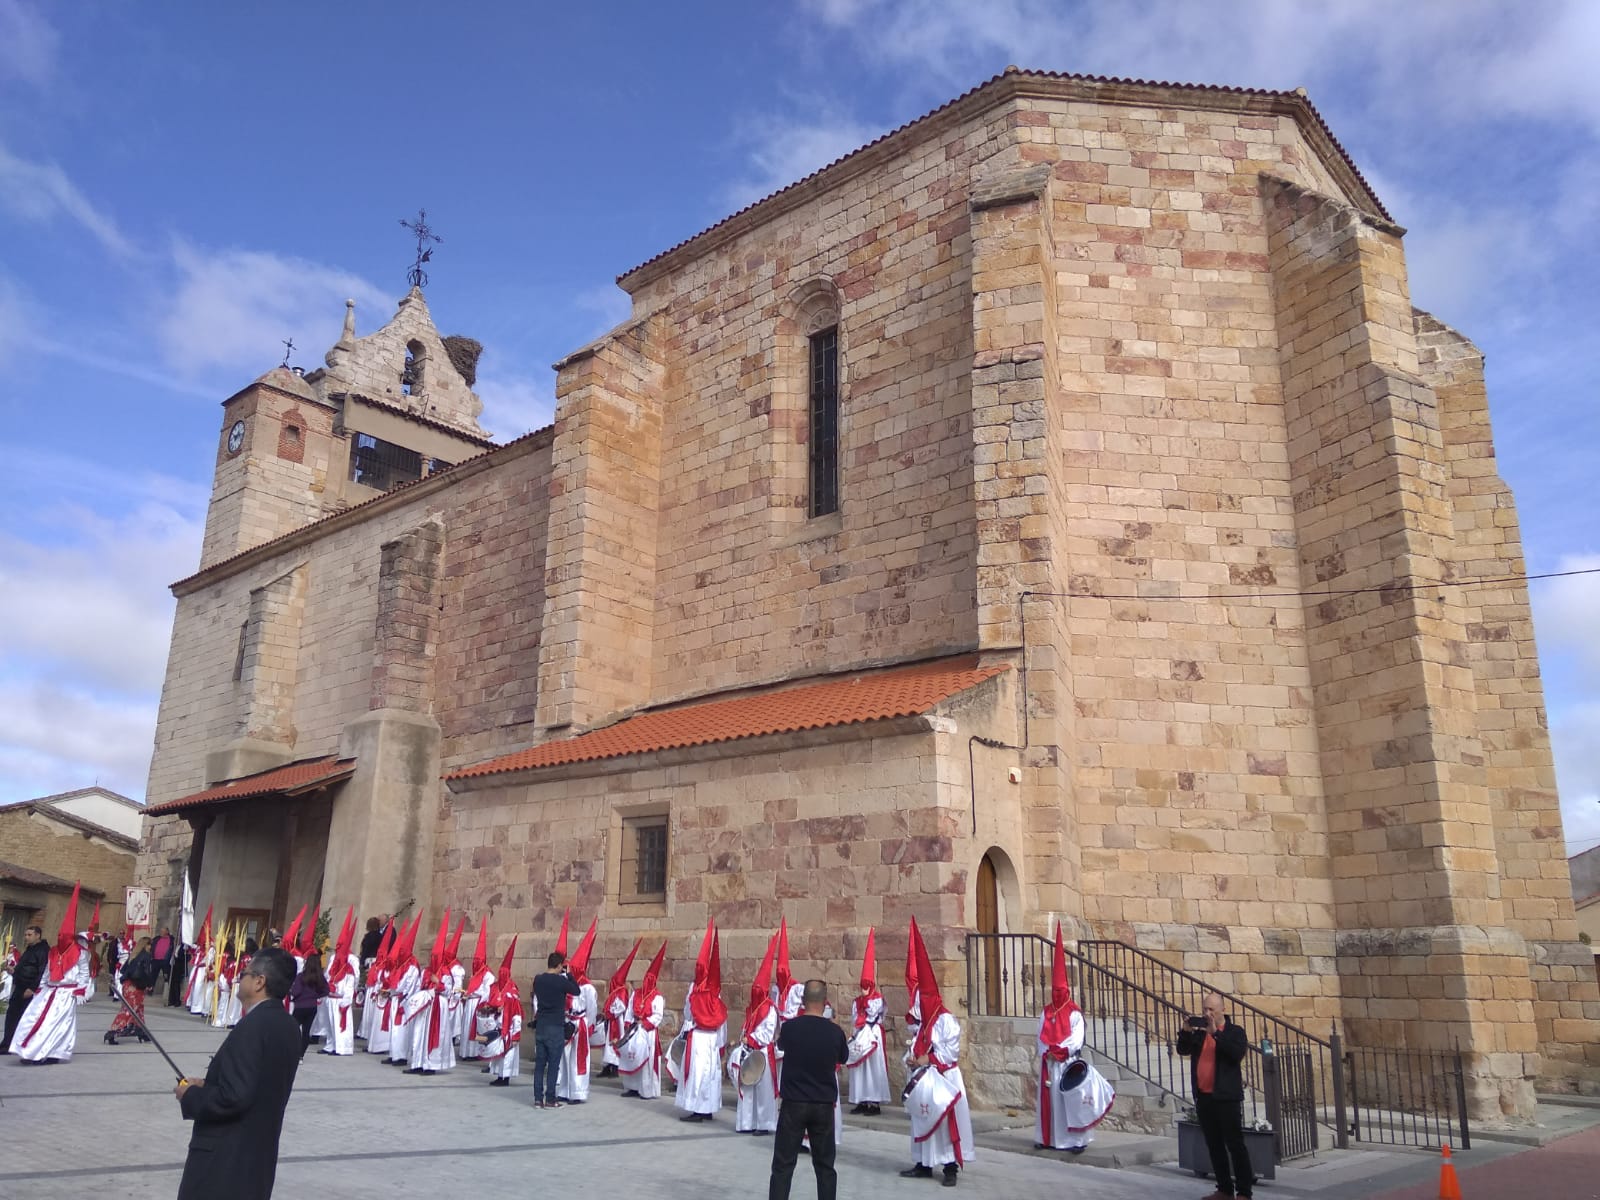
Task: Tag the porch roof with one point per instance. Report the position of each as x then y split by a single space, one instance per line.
857 698
291 779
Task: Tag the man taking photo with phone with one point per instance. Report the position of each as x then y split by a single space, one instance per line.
1216 1047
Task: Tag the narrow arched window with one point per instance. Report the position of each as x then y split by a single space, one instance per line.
824 425
411 375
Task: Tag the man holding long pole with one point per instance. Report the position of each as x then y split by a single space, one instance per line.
237 1109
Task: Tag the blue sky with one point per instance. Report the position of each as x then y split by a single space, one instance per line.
183 185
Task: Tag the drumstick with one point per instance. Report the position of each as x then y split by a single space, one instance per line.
140 1022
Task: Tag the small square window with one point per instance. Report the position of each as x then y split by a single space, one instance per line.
642 874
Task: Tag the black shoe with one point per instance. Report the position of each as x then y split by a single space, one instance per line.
413 1071
917 1172
499 1083
949 1179
110 1039
1076 1149
485 1071
858 1110
761 1133
691 1117
872 1110
632 1095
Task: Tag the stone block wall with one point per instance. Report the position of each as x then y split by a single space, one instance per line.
69 854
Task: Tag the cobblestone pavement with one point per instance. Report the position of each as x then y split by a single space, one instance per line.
106 1124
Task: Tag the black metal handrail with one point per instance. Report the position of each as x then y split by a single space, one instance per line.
1136 1004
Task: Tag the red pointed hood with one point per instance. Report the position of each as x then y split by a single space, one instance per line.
911 973
1058 1014
291 935
705 1001
645 996
204 937
585 950
64 954
440 941
340 966
480 956
561 940
785 979
619 977
94 921
404 953
869 963
452 952
308 937
761 989
502 980
928 997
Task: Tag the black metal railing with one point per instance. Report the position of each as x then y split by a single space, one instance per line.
1407 1097
1135 1005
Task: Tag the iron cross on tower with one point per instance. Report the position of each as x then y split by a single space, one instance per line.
417 277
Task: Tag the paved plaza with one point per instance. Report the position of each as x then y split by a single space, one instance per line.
106 1124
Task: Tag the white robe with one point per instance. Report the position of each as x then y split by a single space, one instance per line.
616 1018
505 1052
399 1047
758 1104
1059 1123
951 1139
427 1019
470 1046
577 1057
700 1089
339 1006
646 1080
54 1010
869 1078
196 993
371 1009
454 978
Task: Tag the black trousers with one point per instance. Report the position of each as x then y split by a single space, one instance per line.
14 1012
305 1016
1222 1122
796 1120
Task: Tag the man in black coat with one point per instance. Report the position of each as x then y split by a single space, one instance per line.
31 966
237 1109
1216 1047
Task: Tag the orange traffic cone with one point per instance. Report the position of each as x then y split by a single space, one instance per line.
1449 1189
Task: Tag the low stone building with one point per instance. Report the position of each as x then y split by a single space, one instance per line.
1052 510
48 844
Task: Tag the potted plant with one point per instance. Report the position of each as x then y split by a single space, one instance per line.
1193 1155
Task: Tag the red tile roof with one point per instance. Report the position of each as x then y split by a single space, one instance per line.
872 696
418 418
290 780
1297 96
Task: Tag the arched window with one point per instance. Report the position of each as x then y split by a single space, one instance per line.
816 306
412 374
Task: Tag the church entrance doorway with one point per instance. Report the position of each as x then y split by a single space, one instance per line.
989 923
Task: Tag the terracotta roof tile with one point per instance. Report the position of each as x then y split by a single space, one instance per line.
28 877
1012 72
874 696
287 780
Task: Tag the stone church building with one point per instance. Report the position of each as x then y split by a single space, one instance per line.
1053 509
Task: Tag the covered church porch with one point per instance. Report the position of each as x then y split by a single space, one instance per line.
260 842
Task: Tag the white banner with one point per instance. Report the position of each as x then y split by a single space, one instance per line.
137 907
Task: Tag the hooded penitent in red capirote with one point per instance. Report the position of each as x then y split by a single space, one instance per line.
1057 1023
869 980
705 1001
615 1008
582 1012
340 965
644 997
930 1003
49 1024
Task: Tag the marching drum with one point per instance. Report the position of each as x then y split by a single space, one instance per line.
753 1067
675 1052
866 1040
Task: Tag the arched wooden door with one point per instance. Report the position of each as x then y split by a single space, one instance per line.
989 923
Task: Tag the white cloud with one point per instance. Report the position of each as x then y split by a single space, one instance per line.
40 193
514 404
1576 737
609 303
87 615
28 44
232 309
783 150
1567 622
